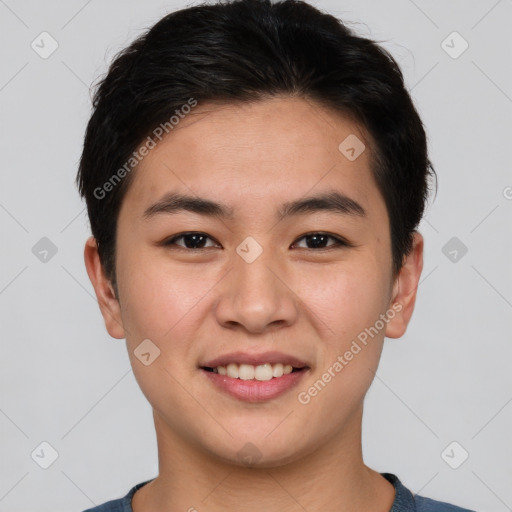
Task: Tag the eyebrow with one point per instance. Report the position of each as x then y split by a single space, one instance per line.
172 203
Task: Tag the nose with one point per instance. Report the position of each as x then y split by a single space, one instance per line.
257 297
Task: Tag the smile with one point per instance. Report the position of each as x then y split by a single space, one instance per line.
261 372
252 389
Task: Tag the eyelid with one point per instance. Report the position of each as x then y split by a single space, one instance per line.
170 241
339 241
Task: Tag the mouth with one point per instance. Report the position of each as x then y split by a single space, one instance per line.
262 372
254 378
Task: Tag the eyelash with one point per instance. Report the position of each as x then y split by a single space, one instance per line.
339 242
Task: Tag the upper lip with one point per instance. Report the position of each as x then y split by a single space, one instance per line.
254 359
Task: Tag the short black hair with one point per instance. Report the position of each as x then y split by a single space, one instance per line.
245 51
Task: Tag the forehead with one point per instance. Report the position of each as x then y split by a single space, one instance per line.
280 147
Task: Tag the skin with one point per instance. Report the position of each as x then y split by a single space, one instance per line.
197 304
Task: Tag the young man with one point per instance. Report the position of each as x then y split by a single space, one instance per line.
254 174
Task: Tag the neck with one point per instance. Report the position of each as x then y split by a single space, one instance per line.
333 473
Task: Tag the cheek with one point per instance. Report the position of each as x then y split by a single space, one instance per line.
349 301
347 298
161 303
158 299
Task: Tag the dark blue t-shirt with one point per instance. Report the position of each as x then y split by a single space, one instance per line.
405 501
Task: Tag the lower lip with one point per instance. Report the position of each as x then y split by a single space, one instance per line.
255 390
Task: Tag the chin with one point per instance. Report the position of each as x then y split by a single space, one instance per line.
262 453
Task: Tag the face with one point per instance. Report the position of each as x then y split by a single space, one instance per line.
256 280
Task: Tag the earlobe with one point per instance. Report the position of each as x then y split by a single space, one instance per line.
405 289
107 301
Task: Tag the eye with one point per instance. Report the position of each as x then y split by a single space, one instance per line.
192 240
196 241
318 240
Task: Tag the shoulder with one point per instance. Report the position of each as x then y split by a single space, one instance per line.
428 505
110 506
406 501
123 504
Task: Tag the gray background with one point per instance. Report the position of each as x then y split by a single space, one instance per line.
64 381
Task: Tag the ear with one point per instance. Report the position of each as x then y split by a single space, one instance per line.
404 289
109 304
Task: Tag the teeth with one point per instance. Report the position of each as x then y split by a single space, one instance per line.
232 370
246 372
261 372
277 370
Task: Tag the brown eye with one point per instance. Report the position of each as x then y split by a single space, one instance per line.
191 240
319 241
197 241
